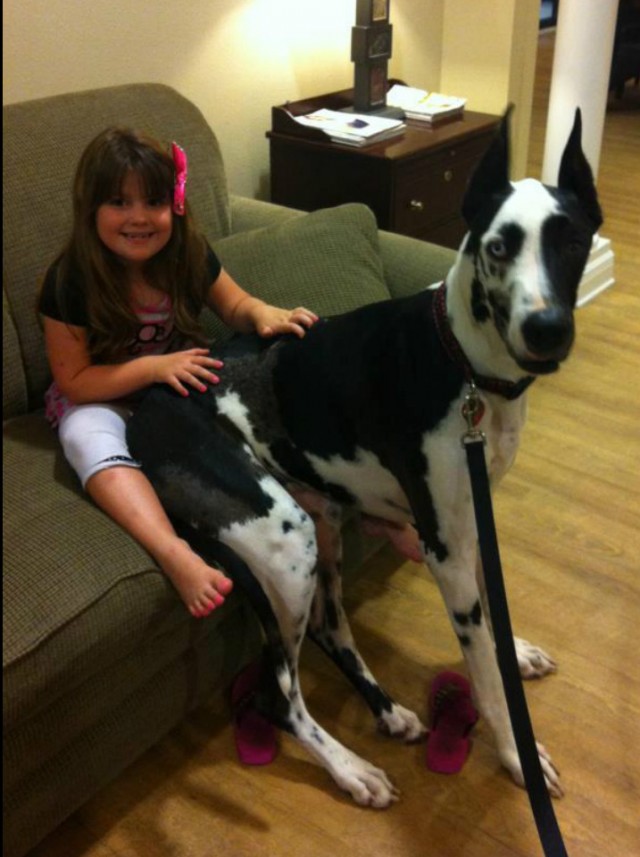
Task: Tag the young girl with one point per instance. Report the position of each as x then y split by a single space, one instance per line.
120 307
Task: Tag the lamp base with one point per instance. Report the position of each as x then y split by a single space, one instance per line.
386 112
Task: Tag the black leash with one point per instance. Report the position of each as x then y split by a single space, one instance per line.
539 798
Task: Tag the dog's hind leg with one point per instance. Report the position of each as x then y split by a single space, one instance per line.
329 627
211 481
280 550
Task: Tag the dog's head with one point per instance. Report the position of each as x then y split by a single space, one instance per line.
529 244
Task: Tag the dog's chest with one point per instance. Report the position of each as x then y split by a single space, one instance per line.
502 423
443 452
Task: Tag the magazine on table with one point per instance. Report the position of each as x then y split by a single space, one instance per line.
423 105
353 129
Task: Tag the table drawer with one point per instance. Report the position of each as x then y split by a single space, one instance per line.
430 190
448 233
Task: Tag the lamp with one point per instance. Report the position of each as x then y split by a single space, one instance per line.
371 40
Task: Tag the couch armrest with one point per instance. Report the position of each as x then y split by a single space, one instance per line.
249 213
411 265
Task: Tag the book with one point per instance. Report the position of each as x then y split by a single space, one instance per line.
352 129
425 106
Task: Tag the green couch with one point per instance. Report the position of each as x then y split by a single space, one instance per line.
100 657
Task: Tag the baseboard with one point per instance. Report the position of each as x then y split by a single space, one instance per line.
598 274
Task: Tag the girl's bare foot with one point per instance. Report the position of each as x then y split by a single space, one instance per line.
201 587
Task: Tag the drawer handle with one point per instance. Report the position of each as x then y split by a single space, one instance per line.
448 175
416 205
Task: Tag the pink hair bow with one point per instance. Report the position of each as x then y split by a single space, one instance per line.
180 166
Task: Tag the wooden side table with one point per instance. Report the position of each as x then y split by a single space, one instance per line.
414 183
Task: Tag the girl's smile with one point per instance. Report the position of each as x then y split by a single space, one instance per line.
133 226
138 237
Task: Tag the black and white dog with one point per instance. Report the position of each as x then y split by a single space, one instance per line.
366 411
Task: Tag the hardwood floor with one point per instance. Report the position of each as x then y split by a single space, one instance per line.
568 519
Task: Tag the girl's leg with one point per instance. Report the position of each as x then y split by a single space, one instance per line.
93 438
128 497
404 537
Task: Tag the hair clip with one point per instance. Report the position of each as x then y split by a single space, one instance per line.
180 166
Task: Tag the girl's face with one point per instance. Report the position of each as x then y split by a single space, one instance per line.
133 226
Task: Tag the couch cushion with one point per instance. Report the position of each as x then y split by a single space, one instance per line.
79 593
57 760
14 382
42 143
328 261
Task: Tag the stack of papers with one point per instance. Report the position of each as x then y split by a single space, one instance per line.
352 129
423 105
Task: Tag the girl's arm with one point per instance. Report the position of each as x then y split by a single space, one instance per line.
242 312
83 381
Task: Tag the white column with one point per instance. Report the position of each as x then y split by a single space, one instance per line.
580 78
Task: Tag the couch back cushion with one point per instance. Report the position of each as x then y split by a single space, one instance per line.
328 261
43 141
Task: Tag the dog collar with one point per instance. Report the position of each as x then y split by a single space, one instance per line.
507 389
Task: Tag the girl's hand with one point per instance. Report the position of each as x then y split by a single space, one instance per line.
269 320
191 367
245 313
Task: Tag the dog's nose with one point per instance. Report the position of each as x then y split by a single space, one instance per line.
549 333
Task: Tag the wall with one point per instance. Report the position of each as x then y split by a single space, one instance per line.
492 60
233 58
236 58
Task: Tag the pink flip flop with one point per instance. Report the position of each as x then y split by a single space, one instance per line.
255 737
451 719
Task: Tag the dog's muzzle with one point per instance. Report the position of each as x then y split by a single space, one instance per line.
548 335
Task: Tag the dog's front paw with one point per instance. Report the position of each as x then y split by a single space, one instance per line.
533 661
367 785
402 723
511 761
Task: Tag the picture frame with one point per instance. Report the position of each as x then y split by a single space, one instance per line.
379 10
370 89
372 12
378 85
371 43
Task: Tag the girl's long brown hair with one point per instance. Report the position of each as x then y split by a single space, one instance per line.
179 269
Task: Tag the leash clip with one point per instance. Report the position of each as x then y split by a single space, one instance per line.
473 411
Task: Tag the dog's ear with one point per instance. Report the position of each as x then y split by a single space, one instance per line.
491 176
575 174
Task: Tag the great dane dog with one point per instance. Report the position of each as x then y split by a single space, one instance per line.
365 411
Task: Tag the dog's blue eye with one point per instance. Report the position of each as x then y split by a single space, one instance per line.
497 248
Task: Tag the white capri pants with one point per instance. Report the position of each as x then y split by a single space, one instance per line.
93 438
